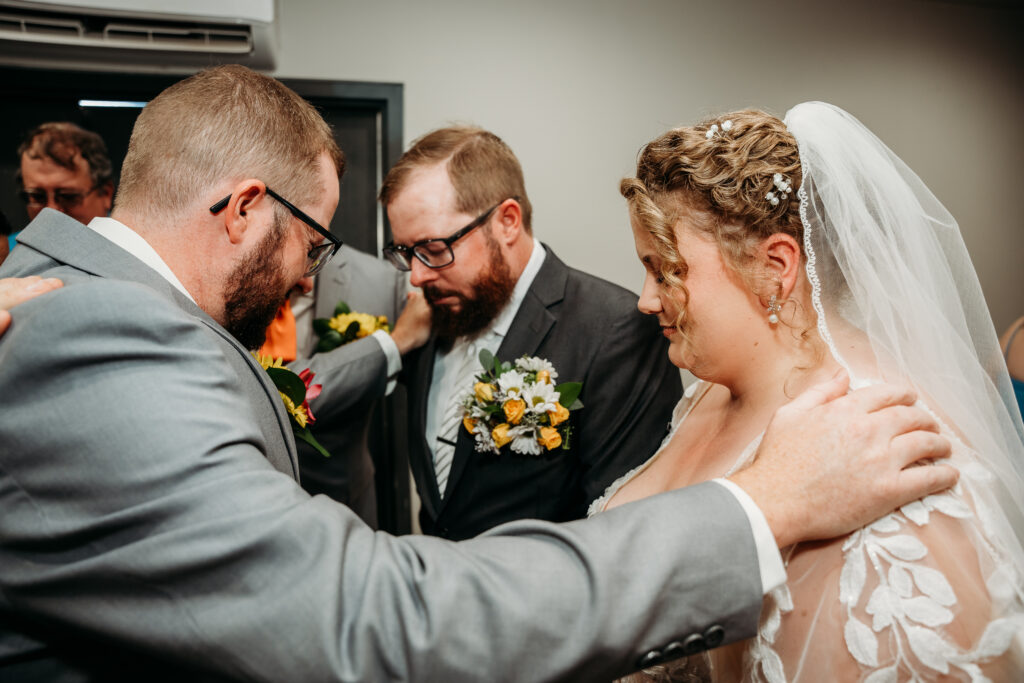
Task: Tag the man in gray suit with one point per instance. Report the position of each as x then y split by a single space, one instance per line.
356 376
152 527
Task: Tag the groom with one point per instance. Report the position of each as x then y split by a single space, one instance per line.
152 526
492 286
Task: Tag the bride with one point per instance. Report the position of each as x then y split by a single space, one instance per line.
777 253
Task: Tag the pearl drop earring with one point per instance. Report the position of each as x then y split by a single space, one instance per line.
773 310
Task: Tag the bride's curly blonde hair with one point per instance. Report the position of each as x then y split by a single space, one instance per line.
719 180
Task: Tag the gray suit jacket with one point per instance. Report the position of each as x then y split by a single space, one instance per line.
152 528
354 379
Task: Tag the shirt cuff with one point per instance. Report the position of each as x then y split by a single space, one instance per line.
394 358
769 560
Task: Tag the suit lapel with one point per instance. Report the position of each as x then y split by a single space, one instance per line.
66 240
529 328
289 462
423 468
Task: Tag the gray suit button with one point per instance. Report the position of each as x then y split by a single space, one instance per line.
650 659
673 650
714 636
694 644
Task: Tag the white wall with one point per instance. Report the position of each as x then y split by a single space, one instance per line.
577 86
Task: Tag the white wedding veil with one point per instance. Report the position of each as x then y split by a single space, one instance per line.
898 300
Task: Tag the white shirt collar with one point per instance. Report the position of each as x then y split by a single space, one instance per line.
132 242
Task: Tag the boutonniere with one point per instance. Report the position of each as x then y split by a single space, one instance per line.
346 326
519 405
296 392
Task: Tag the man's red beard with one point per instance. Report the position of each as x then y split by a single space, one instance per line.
491 292
256 289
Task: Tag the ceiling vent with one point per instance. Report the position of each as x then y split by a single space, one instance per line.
126 35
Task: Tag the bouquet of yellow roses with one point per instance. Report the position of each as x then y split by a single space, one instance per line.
519 405
346 326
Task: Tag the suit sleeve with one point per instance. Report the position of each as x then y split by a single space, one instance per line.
351 374
139 510
357 372
629 394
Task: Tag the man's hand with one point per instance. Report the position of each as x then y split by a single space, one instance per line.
832 462
412 329
16 290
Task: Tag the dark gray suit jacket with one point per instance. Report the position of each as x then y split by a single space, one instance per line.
592 332
152 528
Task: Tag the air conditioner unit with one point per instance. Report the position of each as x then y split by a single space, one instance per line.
176 36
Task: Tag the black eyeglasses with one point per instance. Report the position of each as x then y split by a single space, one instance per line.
319 255
433 253
65 199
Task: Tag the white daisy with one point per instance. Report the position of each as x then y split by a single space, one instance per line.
484 442
524 441
511 383
540 398
535 364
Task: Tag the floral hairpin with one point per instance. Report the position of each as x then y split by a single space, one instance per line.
783 186
714 129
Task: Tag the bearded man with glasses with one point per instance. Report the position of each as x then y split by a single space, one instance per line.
461 221
67 168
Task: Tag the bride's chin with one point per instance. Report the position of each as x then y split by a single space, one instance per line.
681 358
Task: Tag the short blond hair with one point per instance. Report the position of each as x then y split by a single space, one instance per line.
228 122
482 169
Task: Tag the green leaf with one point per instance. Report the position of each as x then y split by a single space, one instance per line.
305 435
568 392
351 332
329 341
487 360
342 307
289 384
576 405
322 326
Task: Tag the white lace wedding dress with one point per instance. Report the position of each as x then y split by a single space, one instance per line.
933 591
905 598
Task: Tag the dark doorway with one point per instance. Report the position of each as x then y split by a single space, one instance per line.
367 123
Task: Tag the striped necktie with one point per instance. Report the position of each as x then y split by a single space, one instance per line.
448 431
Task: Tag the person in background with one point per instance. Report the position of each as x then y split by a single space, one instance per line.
65 167
355 377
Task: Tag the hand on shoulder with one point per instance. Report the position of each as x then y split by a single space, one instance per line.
833 461
17 290
412 329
